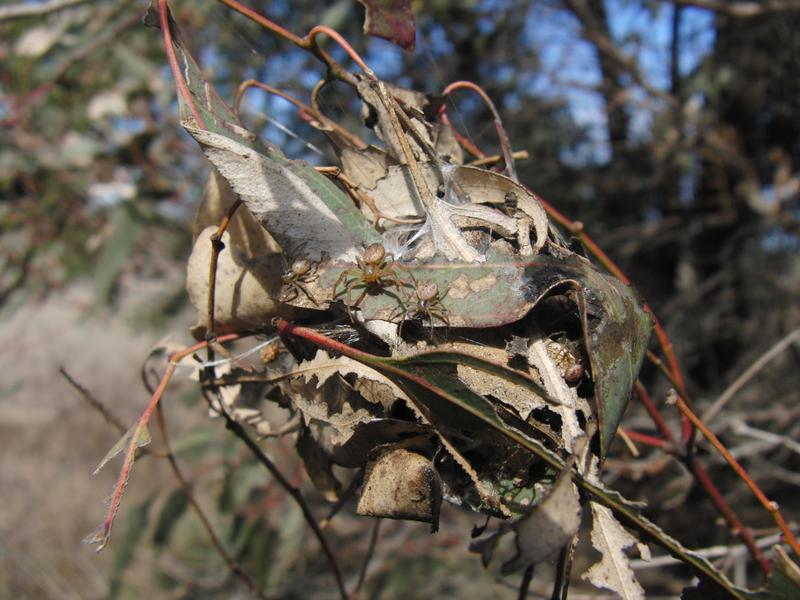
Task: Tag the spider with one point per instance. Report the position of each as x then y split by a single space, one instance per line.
427 305
567 357
295 278
375 270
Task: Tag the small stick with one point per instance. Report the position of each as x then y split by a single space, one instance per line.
770 506
186 487
749 373
373 542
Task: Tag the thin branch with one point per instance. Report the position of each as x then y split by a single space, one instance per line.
103 534
373 542
165 21
306 43
658 562
305 111
109 416
725 397
505 146
525 583
186 487
723 508
294 492
771 507
217 246
488 160
28 9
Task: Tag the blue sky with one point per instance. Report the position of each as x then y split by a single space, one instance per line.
569 65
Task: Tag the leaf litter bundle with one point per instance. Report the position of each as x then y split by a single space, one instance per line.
481 320
433 332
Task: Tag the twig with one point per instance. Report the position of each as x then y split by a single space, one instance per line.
373 542
186 487
109 416
658 562
564 569
770 506
217 246
505 146
27 9
102 535
701 475
725 397
343 498
525 583
164 20
488 160
306 112
308 42
294 492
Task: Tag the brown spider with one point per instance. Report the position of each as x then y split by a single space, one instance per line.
295 278
427 304
567 357
376 270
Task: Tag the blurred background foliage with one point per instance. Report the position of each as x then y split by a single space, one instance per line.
670 129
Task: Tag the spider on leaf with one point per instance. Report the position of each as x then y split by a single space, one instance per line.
426 304
302 272
376 270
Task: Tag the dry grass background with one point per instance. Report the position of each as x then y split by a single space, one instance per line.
51 440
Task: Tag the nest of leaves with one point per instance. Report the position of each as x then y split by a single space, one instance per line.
431 334
437 319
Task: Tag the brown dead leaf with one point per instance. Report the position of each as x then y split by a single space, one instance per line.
246 286
401 485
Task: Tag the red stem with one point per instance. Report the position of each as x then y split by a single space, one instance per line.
505 146
648 440
174 65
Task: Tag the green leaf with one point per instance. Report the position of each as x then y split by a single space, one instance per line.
784 582
173 509
268 182
136 521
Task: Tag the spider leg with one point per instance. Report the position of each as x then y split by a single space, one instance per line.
342 278
304 289
289 293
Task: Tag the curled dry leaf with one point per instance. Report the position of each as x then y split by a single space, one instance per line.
400 484
247 287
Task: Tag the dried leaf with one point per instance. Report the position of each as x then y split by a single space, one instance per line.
486 187
291 200
143 439
247 287
323 366
391 20
365 167
401 485
246 234
548 527
318 465
372 434
613 572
